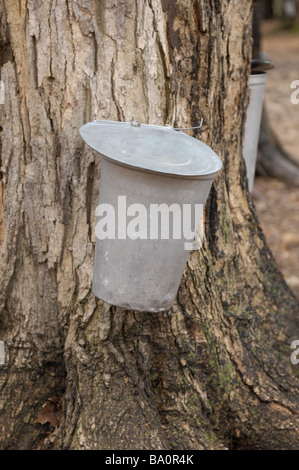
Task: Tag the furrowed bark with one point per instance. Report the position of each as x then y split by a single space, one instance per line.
214 371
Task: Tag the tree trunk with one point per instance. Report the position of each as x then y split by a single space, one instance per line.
212 372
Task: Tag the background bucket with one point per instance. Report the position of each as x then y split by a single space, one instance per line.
253 123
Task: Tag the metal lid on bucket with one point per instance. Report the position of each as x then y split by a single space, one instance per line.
261 66
151 148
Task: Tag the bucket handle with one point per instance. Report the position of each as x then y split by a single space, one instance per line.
137 124
189 128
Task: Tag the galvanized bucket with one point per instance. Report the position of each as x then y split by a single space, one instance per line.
144 167
253 123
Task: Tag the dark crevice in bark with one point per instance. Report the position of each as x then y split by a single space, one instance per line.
6 52
171 8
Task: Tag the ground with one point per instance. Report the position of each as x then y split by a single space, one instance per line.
278 204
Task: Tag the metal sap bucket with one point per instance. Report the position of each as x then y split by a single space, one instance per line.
143 167
253 123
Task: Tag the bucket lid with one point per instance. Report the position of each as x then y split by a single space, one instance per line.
260 65
151 148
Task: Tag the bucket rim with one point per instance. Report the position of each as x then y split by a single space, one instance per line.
259 78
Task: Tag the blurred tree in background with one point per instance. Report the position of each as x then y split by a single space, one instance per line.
288 10
273 160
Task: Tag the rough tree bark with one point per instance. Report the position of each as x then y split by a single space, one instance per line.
212 372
